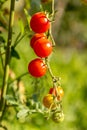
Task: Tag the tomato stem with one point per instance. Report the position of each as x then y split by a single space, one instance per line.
53 8
7 59
51 36
49 68
54 78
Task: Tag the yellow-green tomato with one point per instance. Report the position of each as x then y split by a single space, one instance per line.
58 117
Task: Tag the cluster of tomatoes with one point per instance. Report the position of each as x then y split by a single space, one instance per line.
54 93
52 101
42 47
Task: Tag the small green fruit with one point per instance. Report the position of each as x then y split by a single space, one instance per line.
58 117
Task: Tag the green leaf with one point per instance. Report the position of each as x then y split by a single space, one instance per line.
23 113
14 53
21 25
10 100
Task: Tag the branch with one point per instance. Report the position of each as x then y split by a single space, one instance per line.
7 58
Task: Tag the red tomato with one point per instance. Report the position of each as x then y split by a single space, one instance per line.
37 67
39 23
59 92
36 37
42 47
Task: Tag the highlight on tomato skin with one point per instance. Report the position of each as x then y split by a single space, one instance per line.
39 23
43 47
35 37
37 68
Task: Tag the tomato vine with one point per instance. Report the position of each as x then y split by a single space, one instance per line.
41 23
42 43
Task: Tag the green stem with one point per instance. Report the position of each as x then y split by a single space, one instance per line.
19 77
19 39
7 58
48 66
1 59
50 30
56 80
53 12
51 36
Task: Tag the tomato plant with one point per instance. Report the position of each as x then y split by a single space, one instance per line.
39 23
35 37
37 67
43 47
58 92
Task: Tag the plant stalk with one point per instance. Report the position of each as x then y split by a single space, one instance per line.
53 11
7 58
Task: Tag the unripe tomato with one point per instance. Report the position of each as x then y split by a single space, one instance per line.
58 117
43 47
37 67
48 101
36 37
58 92
39 23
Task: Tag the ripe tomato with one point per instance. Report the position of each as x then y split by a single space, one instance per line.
59 92
37 67
58 117
48 101
39 23
42 47
36 37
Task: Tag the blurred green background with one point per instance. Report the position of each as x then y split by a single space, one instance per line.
68 61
